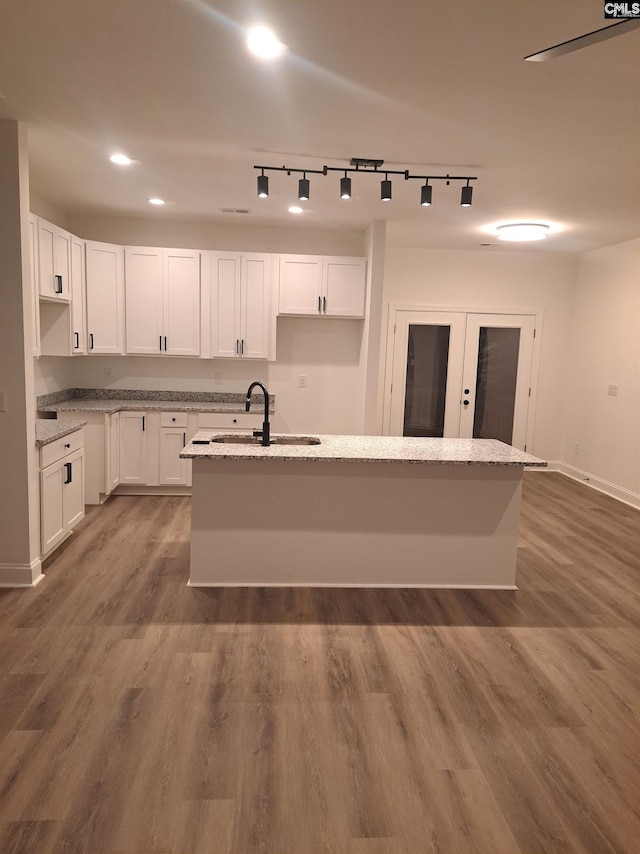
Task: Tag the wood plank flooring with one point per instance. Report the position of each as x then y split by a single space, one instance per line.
139 715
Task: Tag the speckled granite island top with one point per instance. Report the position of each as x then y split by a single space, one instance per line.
368 449
48 429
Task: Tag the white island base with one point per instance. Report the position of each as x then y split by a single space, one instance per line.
271 522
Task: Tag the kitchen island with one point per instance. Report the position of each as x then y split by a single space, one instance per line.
356 511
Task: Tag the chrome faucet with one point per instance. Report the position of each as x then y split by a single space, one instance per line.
265 433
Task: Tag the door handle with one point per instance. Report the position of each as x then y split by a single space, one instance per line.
68 467
465 403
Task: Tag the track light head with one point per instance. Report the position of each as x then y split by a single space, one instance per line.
425 195
466 196
303 189
385 189
345 187
263 186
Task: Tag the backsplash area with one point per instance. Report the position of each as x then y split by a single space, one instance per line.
144 394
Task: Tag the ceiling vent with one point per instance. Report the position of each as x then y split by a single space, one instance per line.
235 210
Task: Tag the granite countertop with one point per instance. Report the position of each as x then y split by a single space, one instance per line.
369 449
108 401
48 429
150 405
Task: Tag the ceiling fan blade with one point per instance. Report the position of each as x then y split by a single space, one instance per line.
584 41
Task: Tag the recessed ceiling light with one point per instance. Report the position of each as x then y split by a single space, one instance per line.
523 231
264 43
156 201
295 209
121 159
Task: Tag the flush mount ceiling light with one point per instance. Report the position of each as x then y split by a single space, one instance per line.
156 201
263 43
365 166
523 231
121 159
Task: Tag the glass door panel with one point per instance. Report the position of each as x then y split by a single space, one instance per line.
427 358
426 373
496 383
496 377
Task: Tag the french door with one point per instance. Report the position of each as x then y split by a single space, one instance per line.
458 374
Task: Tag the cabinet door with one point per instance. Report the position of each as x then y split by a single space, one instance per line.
143 290
78 288
112 442
133 448
35 295
73 489
344 285
54 264
105 297
173 470
300 283
181 302
52 527
225 305
255 306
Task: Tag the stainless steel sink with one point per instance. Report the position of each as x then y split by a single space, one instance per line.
275 440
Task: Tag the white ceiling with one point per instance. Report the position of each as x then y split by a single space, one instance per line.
434 86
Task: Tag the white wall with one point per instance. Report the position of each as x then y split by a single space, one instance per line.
236 236
498 280
605 349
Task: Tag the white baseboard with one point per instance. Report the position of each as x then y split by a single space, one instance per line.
598 483
21 574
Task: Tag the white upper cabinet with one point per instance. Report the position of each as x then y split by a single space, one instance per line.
162 301
344 283
54 262
105 297
240 312
78 290
321 286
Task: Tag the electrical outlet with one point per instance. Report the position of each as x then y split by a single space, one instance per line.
217 377
302 380
107 374
576 450
612 390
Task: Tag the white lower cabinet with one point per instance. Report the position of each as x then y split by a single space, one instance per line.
133 448
61 489
173 437
112 448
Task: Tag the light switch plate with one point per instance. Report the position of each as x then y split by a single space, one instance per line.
612 390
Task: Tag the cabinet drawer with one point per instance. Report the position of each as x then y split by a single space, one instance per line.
229 421
174 419
60 448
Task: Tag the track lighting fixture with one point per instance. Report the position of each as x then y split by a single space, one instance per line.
362 166
263 186
425 195
303 188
